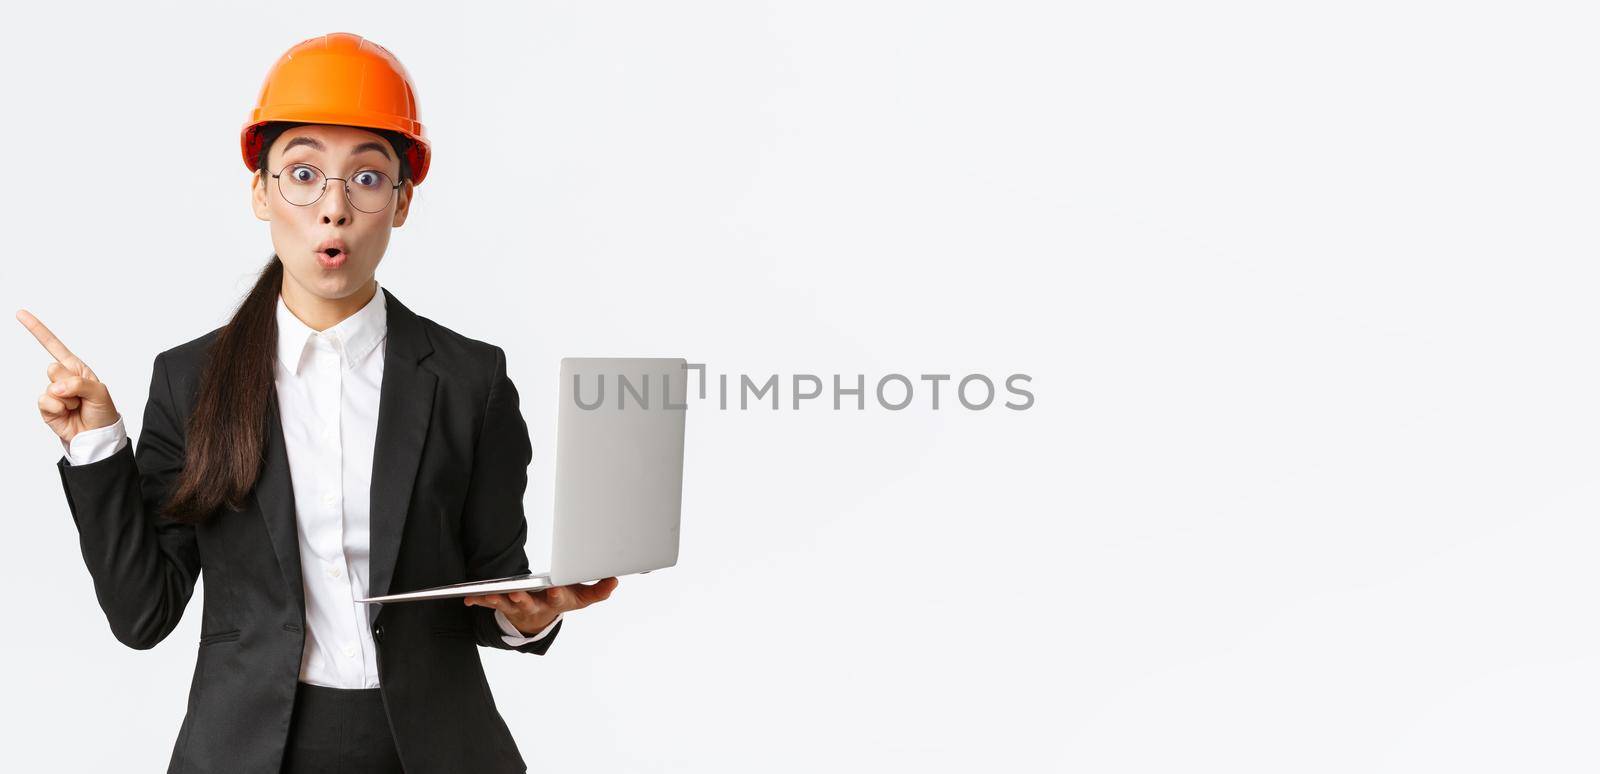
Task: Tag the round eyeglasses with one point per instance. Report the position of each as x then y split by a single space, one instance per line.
367 190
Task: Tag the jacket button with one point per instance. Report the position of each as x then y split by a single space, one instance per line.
377 632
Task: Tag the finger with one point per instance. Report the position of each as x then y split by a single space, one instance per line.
521 599
79 387
56 372
51 406
559 597
51 344
599 591
60 371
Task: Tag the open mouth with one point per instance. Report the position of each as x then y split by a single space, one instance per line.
332 257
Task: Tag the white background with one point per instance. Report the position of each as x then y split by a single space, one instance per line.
1307 293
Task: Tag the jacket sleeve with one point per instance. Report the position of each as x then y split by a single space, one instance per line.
509 633
494 528
144 566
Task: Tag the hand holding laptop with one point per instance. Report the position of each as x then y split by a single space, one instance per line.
618 493
531 611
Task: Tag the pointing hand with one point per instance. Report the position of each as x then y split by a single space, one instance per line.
76 400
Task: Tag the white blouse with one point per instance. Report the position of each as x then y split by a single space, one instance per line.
328 385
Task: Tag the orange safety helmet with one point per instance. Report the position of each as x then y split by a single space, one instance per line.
339 79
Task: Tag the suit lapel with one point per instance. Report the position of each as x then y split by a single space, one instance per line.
405 405
275 495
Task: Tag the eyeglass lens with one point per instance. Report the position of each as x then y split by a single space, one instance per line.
302 184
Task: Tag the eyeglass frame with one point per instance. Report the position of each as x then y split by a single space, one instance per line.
343 183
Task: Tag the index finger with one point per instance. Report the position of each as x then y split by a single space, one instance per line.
51 344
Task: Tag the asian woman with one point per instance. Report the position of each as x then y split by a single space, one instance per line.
324 445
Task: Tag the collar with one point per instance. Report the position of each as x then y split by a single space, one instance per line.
353 338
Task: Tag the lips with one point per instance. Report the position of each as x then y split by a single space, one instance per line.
331 254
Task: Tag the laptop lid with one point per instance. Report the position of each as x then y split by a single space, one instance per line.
619 467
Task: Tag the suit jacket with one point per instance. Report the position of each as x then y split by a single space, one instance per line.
449 472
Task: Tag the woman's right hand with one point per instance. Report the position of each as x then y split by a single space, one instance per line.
76 400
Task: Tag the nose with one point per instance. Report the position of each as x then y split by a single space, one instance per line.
334 207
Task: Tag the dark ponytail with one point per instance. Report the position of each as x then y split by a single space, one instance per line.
227 433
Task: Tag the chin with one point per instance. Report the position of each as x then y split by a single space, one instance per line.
341 285
332 283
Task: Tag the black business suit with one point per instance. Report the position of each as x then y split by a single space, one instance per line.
449 472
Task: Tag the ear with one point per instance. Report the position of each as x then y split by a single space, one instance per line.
402 206
258 197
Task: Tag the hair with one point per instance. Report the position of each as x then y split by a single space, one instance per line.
227 432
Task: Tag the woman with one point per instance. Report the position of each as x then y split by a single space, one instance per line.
326 444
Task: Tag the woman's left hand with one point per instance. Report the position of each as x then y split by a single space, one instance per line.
532 611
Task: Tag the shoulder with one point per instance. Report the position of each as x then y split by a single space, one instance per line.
456 351
471 373
442 350
181 365
190 353
457 356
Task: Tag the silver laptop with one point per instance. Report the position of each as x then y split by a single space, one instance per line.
619 476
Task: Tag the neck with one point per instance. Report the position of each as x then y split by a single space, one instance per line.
318 313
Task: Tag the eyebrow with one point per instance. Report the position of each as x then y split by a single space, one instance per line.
298 141
372 146
314 143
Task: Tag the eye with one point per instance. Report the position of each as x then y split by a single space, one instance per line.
367 179
303 174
